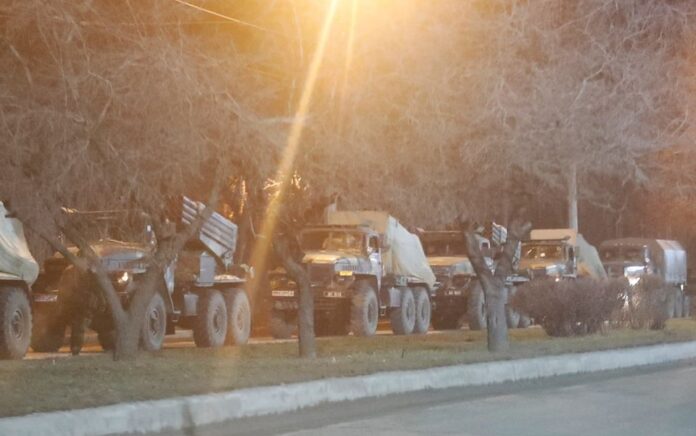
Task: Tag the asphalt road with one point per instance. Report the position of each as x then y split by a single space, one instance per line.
655 401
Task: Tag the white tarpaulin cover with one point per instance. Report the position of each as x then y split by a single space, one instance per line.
15 258
404 254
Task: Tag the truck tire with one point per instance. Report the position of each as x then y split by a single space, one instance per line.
364 310
210 324
238 317
154 324
15 323
281 327
403 318
445 321
423 310
476 308
48 333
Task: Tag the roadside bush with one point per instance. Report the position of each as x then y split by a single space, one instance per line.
569 307
645 305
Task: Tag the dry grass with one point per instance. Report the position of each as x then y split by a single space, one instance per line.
88 381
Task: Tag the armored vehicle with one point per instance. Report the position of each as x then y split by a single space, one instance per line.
18 270
202 289
361 265
634 258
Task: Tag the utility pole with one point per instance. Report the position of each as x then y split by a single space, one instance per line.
573 197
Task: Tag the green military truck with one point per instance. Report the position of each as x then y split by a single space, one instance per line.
202 289
18 270
362 265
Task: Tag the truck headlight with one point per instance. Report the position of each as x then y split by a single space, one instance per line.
633 280
124 279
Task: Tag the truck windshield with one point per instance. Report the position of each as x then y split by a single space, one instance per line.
124 226
626 254
541 251
333 240
445 248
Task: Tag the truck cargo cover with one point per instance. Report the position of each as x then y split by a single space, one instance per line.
15 257
403 253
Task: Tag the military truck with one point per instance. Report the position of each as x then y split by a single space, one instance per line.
457 291
18 270
361 265
202 289
634 258
559 254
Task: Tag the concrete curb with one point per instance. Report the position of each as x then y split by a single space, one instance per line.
182 412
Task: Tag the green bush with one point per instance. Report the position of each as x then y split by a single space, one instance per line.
569 307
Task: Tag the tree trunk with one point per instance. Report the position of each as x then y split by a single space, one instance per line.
493 285
573 197
496 323
305 311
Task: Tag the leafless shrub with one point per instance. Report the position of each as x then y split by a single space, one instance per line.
645 305
569 307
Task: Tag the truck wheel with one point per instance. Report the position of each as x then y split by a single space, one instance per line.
281 328
512 317
210 325
15 323
48 333
445 321
238 317
364 313
154 325
423 313
403 318
476 308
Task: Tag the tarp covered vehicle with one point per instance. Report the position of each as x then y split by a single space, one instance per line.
18 270
361 264
559 253
202 289
634 258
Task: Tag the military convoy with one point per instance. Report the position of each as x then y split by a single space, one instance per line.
362 265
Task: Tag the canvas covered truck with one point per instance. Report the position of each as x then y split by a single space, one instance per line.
202 289
559 254
18 270
457 293
361 265
634 258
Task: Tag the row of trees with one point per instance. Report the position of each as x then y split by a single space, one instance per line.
429 110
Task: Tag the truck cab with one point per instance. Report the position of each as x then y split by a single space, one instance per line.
548 258
455 276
